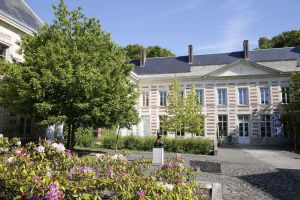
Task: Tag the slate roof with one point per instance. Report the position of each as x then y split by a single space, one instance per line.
167 65
21 13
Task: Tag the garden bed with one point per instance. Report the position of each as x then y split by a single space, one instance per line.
48 171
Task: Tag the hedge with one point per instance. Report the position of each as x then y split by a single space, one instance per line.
180 145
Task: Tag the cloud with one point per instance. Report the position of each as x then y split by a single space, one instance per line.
237 27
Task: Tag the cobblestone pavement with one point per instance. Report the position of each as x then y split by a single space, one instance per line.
251 173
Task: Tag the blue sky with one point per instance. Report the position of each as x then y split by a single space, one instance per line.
212 26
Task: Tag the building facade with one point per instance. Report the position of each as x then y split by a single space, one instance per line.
242 94
16 20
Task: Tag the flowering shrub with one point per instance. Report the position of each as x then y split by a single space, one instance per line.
48 171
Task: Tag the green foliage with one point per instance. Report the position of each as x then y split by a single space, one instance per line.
85 137
73 73
181 145
133 51
46 171
285 39
183 114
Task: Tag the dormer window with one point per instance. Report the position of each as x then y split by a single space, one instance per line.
3 51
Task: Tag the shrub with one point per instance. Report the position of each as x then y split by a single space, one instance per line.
180 145
48 171
85 137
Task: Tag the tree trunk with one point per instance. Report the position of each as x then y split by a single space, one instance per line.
116 145
69 136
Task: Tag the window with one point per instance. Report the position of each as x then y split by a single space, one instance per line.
286 95
223 125
265 125
222 96
3 50
200 96
163 98
264 95
161 130
25 126
243 96
182 93
145 98
180 133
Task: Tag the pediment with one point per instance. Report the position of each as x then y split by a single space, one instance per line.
243 68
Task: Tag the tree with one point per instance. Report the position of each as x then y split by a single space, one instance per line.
133 51
73 73
291 117
194 118
285 39
183 115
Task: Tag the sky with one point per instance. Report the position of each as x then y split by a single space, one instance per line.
211 26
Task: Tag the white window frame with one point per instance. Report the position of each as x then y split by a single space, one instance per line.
223 100
5 47
262 98
285 95
145 99
200 98
163 99
265 122
246 96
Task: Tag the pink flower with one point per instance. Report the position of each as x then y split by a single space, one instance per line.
54 187
37 179
142 193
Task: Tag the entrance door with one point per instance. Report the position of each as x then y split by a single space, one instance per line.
244 136
145 126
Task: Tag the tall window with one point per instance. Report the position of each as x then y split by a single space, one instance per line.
286 95
163 98
3 50
265 125
164 132
264 95
145 98
200 96
223 128
25 125
243 96
222 96
180 133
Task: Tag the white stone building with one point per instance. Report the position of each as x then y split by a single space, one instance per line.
16 20
242 93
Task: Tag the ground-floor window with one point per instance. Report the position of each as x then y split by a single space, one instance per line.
180 133
243 125
161 130
25 126
265 125
223 125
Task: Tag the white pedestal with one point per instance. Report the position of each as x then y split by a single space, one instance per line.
158 155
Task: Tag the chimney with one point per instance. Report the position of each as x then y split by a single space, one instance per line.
246 49
143 58
190 53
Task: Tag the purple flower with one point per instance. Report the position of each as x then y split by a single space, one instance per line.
40 149
52 195
141 193
34 198
86 169
70 176
122 174
110 172
54 187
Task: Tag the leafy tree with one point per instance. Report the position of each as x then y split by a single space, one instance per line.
285 39
194 119
291 118
183 115
133 51
73 73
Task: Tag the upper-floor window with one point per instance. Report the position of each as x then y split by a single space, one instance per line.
286 95
243 96
163 98
200 96
145 98
3 50
264 95
222 96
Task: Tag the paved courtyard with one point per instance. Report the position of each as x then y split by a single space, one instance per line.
251 173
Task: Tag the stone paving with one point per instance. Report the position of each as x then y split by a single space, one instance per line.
251 173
